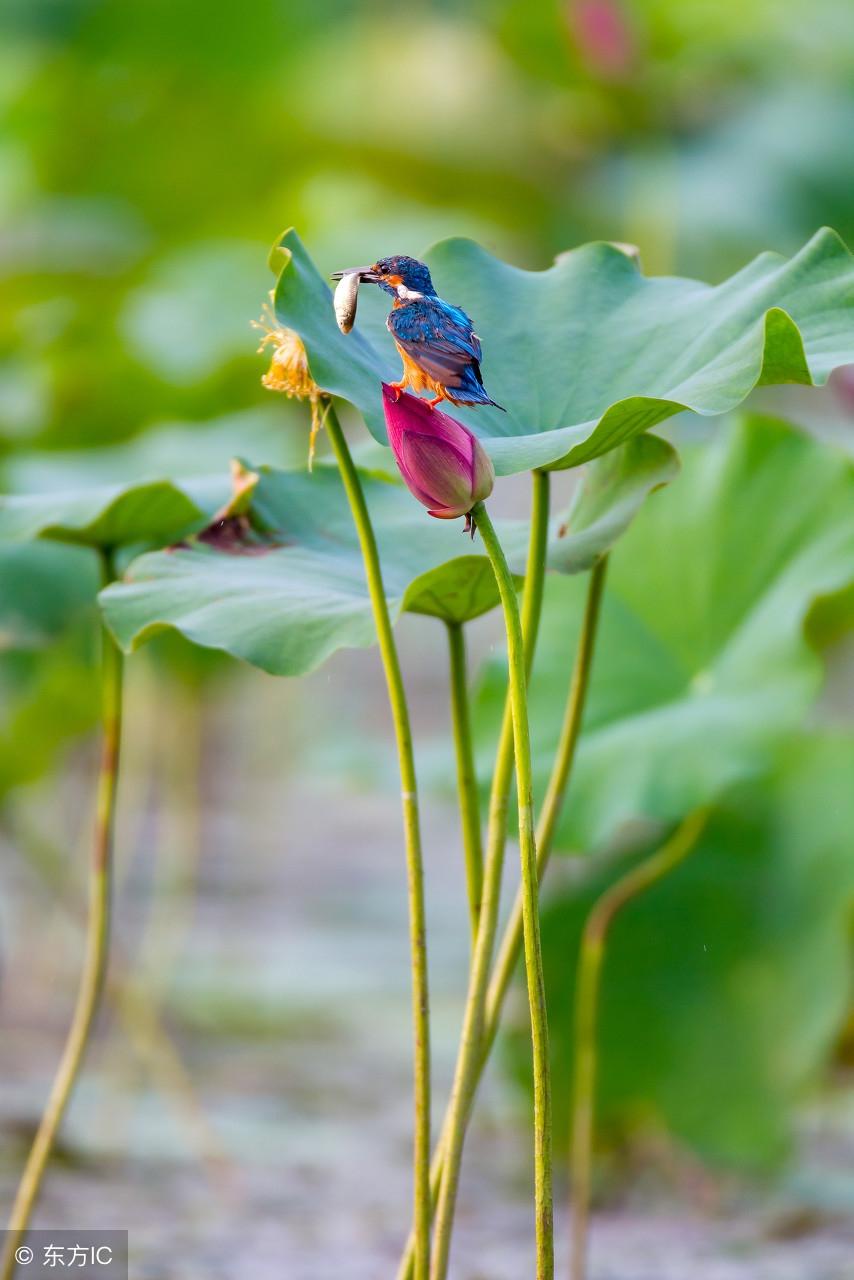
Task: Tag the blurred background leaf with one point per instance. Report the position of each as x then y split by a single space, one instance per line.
152 151
701 661
726 984
113 516
42 588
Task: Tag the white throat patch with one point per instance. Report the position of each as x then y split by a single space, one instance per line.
408 295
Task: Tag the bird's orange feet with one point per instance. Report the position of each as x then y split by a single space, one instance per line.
397 388
439 398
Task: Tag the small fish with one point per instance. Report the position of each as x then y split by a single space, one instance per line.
346 299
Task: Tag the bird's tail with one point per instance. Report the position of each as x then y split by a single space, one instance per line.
466 396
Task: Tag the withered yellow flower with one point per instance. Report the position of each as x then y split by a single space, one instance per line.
289 371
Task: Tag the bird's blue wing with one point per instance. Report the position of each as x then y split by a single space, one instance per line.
457 322
439 339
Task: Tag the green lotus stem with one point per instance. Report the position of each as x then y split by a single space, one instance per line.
133 1001
588 984
97 946
511 943
466 772
530 896
412 834
445 1166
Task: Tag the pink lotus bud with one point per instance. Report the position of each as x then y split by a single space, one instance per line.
445 467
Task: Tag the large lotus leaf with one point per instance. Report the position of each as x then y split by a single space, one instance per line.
725 985
289 602
701 661
173 449
113 515
590 352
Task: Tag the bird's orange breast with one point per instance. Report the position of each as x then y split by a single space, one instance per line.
415 377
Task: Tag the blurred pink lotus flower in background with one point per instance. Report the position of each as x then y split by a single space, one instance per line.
603 36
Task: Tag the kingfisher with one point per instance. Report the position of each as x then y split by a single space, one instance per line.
437 343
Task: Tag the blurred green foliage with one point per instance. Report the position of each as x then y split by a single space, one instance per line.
49 688
725 985
152 150
701 660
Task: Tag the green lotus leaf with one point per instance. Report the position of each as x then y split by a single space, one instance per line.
701 661
613 490
458 590
113 515
43 588
590 352
289 596
175 450
725 985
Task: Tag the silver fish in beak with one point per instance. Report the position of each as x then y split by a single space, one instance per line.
347 293
346 299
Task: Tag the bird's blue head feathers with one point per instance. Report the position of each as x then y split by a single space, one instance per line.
412 274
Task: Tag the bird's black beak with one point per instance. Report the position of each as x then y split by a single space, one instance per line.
366 275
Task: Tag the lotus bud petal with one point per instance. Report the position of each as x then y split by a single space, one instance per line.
442 463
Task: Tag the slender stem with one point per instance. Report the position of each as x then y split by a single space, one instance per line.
511 943
588 982
530 897
152 1045
445 1166
134 1002
412 834
97 946
466 772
